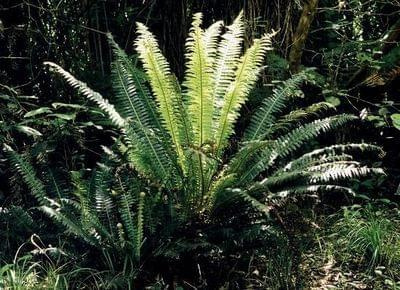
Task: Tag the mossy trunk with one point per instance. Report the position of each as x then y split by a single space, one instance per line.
301 34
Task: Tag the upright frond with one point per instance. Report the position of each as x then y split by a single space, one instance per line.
211 37
226 62
142 99
198 82
142 124
140 225
246 75
103 202
163 86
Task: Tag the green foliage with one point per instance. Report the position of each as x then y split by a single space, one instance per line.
24 273
372 235
170 171
358 245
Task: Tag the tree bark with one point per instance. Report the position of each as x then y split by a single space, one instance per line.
301 34
390 39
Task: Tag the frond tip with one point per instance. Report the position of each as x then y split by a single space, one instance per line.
89 93
163 86
246 75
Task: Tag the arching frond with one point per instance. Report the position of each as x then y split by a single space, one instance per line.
331 152
148 153
265 117
71 224
319 174
90 94
299 116
265 157
217 192
311 189
337 173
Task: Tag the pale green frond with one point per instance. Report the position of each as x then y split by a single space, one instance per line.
211 37
246 75
142 100
163 86
90 94
198 82
226 62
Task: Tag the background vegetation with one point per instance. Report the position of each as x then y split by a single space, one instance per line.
55 139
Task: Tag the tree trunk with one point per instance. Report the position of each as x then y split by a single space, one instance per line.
300 36
390 39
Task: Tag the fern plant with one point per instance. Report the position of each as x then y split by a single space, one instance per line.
170 166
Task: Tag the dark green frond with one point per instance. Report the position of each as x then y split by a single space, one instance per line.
283 146
264 118
23 167
143 100
296 117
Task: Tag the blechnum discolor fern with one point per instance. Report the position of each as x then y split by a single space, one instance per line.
169 164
